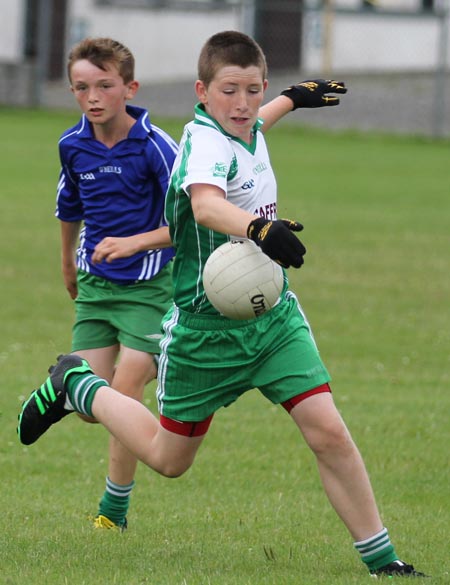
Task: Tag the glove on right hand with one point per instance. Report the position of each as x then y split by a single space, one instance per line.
275 238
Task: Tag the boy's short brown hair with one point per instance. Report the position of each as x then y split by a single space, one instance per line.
229 47
101 52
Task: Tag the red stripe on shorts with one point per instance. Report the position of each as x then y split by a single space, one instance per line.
186 429
289 404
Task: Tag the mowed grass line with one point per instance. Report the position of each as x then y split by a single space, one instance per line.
251 511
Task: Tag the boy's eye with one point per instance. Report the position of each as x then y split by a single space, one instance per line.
252 90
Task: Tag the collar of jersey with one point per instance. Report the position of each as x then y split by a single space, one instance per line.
139 131
203 118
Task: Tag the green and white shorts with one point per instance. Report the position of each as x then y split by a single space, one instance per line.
207 362
129 314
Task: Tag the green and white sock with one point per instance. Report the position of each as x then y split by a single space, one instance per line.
115 501
81 389
376 551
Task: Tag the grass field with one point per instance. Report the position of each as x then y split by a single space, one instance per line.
376 288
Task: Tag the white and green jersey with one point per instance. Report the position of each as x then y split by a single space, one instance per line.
243 171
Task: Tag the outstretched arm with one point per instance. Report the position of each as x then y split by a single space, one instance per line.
274 111
312 93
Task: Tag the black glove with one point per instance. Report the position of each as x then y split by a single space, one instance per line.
311 93
275 238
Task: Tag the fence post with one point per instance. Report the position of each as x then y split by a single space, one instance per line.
43 53
441 72
328 22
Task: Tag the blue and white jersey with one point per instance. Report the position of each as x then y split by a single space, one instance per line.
118 192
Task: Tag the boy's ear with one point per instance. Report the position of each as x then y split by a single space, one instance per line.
201 92
133 86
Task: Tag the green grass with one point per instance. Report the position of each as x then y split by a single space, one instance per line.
376 288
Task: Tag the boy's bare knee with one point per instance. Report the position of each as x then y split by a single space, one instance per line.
173 470
331 440
86 418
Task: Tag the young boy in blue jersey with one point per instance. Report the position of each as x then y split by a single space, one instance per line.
207 360
115 168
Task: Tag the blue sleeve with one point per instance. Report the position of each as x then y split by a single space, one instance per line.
162 156
68 203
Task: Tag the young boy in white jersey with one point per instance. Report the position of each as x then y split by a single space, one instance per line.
207 360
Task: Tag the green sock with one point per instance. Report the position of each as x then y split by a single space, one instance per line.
376 551
81 389
115 501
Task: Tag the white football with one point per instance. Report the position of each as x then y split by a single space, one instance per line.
242 282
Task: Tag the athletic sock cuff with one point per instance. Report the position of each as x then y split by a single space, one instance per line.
376 551
119 490
81 389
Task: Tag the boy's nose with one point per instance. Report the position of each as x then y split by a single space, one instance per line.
92 97
241 101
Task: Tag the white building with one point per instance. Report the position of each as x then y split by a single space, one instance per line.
326 36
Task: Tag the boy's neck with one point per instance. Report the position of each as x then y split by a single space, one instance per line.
114 131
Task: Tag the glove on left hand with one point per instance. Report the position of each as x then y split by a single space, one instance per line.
311 93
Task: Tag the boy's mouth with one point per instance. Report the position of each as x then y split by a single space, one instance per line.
239 120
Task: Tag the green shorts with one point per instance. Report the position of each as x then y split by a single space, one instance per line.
208 362
129 314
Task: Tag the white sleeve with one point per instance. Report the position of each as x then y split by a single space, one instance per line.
209 159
